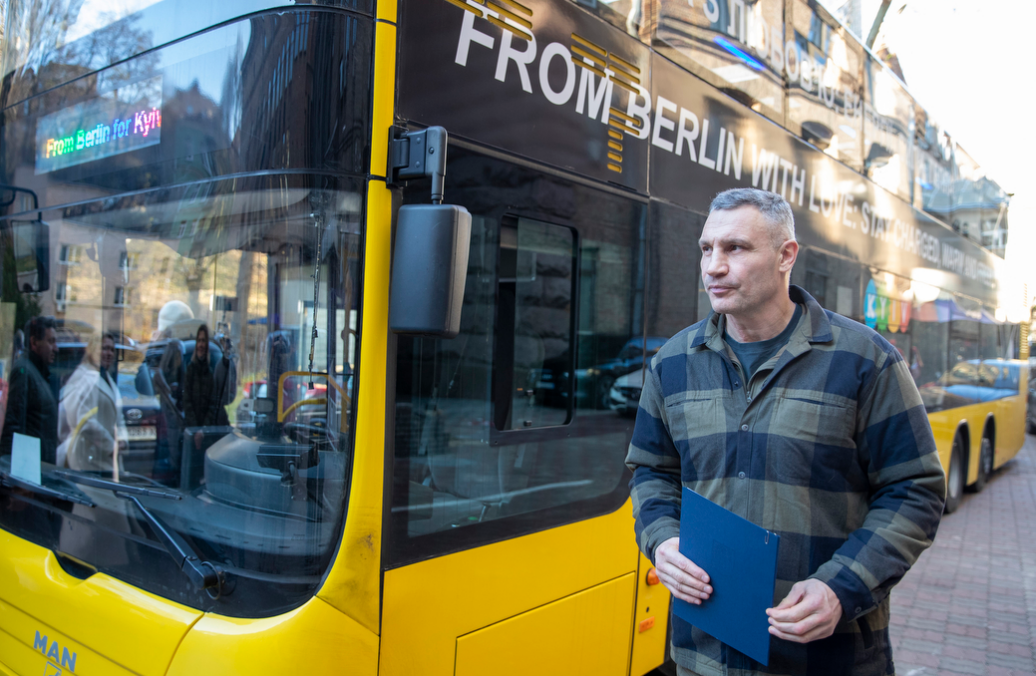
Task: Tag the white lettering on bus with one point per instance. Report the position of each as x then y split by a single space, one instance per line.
597 96
558 98
661 122
521 59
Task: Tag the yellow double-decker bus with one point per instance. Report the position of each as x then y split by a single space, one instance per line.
322 324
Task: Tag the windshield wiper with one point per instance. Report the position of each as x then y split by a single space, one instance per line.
13 482
205 576
129 489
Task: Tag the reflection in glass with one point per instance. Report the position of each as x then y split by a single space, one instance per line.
535 296
825 99
478 455
888 123
739 43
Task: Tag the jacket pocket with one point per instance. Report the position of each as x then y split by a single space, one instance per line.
812 444
699 428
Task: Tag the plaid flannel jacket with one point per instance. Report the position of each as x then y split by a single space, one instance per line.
828 445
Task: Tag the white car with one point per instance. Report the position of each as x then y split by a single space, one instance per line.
624 396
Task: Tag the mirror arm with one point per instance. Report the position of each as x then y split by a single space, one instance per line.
419 154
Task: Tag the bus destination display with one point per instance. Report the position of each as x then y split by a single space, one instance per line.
123 120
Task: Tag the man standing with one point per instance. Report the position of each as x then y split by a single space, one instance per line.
805 423
31 408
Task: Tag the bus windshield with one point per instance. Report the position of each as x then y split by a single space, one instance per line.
180 242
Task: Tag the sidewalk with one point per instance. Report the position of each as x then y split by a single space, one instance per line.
969 604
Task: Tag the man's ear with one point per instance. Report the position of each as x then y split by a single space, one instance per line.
789 251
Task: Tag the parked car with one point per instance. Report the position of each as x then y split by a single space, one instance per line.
624 396
596 382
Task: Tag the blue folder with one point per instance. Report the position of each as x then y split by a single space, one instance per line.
741 561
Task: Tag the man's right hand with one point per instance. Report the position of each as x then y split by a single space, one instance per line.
679 574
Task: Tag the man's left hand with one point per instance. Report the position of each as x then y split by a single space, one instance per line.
809 611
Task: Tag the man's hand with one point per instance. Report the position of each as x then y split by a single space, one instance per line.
679 575
809 611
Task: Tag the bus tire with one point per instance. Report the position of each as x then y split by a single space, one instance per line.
955 477
985 465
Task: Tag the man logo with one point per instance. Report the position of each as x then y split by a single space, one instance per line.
55 655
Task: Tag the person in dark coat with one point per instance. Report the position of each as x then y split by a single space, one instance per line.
224 384
198 396
32 409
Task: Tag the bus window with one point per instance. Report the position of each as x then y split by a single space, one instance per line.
674 297
835 283
477 457
536 275
188 374
989 335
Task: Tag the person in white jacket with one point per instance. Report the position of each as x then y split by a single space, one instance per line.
90 411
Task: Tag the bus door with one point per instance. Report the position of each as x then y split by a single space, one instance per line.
510 543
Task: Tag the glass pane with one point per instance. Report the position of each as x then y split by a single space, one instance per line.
825 95
739 43
542 259
888 130
200 344
468 469
836 283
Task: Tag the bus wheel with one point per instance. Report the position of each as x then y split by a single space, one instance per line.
955 477
985 465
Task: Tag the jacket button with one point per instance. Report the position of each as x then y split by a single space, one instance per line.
859 610
744 428
741 475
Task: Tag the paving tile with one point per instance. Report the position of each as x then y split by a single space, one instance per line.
968 606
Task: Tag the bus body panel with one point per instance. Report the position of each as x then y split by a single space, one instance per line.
1011 437
650 621
430 604
353 584
43 605
581 633
315 635
1003 414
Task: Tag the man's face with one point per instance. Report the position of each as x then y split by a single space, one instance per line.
201 347
741 269
47 348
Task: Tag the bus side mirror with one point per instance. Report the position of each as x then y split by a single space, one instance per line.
429 268
430 263
31 248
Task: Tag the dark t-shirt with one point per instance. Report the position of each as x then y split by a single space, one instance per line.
754 355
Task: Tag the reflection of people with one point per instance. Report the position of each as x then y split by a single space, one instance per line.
167 381
89 413
31 408
224 383
916 363
800 420
197 389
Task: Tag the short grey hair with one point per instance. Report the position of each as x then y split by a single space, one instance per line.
774 208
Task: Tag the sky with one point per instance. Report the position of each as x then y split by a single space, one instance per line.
964 61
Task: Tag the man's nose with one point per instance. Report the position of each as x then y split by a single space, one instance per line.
717 265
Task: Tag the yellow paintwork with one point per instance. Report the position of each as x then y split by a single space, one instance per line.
24 658
1009 415
428 605
353 584
104 615
649 647
585 633
313 639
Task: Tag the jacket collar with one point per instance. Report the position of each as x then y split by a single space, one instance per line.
814 327
44 369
